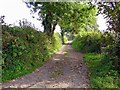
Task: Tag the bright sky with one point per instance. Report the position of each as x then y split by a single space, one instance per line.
101 22
15 10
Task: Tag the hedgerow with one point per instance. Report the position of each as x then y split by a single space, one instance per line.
88 41
24 49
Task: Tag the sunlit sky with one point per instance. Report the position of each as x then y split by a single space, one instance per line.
15 10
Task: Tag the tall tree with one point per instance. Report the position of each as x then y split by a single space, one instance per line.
111 11
66 14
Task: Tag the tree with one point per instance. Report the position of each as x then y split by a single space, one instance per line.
67 14
111 11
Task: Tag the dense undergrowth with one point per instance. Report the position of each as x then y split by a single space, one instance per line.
87 41
24 49
100 57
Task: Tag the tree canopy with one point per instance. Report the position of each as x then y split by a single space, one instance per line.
111 11
72 15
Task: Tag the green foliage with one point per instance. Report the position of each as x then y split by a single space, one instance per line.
74 15
101 72
24 49
111 11
56 41
111 52
88 41
103 68
65 38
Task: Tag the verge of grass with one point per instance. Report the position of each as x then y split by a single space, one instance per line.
101 75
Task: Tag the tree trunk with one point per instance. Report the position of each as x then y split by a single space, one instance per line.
53 28
62 35
49 26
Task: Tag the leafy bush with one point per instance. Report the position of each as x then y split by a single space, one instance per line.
112 50
24 49
88 42
102 74
57 42
65 38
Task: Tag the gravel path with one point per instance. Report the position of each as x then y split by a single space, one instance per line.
64 70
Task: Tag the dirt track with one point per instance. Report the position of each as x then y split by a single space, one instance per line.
64 70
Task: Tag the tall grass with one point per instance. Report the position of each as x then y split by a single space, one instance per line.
100 71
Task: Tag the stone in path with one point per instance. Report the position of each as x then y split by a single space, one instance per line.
64 70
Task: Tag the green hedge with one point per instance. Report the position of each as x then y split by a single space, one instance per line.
88 41
24 49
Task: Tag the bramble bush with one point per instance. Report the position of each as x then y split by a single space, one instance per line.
24 49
